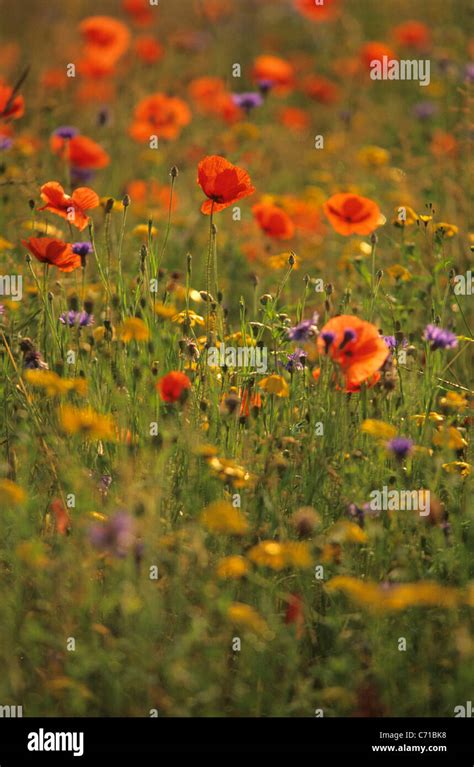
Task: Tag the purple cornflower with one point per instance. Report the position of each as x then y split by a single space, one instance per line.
439 338
81 175
401 447
265 85
424 110
296 361
247 101
116 536
305 329
82 248
393 344
5 143
66 131
80 319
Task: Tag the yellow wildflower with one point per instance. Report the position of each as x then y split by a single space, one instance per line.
190 318
228 471
275 384
5 244
53 384
232 568
32 553
134 329
432 415
399 273
347 532
11 493
373 156
454 400
87 422
246 617
222 517
141 230
280 261
378 429
458 467
165 311
449 437
395 596
446 230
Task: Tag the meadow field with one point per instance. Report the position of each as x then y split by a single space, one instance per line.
236 355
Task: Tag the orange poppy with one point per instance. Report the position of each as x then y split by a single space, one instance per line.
70 207
148 49
321 89
144 193
10 106
222 182
63 520
375 51
104 34
274 221
413 34
172 387
271 69
352 214
356 348
159 115
95 90
443 144
322 12
54 252
140 11
80 151
295 118
97 64
211 97
304 214
54 79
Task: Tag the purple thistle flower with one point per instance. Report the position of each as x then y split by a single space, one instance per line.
247 101
5 143
305 329
116 536
66 131
81 175
401 447
296 361
76 319
424 110
439 338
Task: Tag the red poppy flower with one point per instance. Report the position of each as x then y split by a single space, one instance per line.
150 193
352 214
140 10
321 89
321 12
63 520
413 34
278 72
54 79
172 387
53 252
70 207
159 115
148 49
274 221
375 51
10 107
222 182
80 151
295 614
295 118
104 34
249 400
211 97
355 346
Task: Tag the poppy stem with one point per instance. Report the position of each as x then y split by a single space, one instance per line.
208 273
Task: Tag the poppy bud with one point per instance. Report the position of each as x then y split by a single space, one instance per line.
126 201
174 172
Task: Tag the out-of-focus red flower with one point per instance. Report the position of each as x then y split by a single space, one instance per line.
356 347
11 106
139 10
295 613
80 152
104 35
159 115
172 387
322 90
317 12
63 521
413 34
375 51
273 221
275 71
443 144
148 49
295 118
